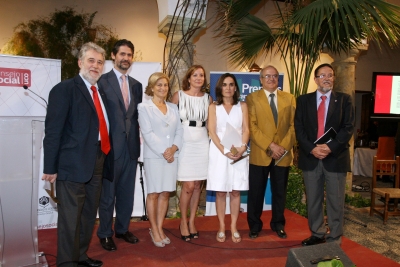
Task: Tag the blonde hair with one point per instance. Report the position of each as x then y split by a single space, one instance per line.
153 79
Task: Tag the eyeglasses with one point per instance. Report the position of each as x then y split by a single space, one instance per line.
269 76
322 76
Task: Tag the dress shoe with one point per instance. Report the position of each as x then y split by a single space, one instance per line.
128 237
253 235
90 263
281 233
312 240
108 244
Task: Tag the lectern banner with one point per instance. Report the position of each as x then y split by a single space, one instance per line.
37 74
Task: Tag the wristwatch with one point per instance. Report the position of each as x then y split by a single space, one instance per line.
269 152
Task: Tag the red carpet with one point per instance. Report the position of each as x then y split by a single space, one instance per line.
266 250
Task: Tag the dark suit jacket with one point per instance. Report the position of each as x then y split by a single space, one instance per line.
124 124
340 116
72 132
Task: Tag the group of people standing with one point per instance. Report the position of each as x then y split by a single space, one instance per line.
92 132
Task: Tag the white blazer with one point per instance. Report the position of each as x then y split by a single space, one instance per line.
159 131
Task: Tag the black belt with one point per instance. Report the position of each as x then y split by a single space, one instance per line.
194 123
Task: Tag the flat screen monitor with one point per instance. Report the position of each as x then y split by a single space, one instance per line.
386 91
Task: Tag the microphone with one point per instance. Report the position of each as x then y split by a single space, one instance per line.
26 88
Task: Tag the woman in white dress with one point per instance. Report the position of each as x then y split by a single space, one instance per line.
228 111
193 105
162 133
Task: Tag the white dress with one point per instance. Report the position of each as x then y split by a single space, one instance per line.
222 176
193 157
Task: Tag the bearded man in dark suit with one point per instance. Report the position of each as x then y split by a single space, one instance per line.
75 146
324 165
123 96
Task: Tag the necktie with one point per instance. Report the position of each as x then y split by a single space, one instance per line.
321 117
273 108
105 141
124 89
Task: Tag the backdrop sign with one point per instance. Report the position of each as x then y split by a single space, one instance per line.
140 71
248 82
15 77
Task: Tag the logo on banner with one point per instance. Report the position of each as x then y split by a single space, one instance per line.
44 201
44 207
15 77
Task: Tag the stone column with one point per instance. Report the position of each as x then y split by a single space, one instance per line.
345 79
179 51
180 32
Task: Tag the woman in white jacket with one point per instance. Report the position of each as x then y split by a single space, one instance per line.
162 132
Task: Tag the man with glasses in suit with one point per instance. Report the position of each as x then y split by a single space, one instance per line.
271 115
325 165
77 155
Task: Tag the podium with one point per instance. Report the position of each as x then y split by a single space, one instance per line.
20 145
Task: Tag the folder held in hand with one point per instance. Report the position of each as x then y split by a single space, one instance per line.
326 137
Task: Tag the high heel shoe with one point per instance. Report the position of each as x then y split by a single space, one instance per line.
184 237
166 240
159 244
193 235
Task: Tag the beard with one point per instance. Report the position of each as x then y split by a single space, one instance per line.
123 67
325 89
86 74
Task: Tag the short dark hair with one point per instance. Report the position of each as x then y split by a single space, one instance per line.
185 82
218 89
321 66
120 43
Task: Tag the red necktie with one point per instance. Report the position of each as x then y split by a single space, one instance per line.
321 117
105 141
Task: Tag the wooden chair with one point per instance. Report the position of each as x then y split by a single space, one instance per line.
385 167
386 147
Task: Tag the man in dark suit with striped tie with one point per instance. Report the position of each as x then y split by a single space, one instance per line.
324 165
123 96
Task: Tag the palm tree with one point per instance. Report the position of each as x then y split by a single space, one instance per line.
59 36
305 28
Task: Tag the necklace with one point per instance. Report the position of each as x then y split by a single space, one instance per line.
159 105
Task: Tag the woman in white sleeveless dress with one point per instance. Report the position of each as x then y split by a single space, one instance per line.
193 105
228 111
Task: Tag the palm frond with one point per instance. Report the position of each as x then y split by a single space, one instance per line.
304 29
